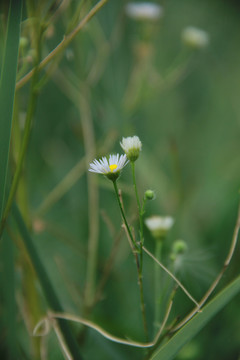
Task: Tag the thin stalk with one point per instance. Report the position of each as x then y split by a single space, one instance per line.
104 333
62 187
142 303
139 269
140 210
135 187
63 44
172 276
140 214
218 278
158 252
107 268
124 217
93 200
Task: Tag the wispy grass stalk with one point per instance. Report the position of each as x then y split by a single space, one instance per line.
64 43
93 202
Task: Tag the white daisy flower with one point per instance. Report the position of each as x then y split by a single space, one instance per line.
109 167
159 225
132 147
144 10
194 37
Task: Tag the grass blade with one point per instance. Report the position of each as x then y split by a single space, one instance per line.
172 347
47 287
8 293
7 90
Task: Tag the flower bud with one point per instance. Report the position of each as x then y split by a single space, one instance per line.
132 147
149 195
179 247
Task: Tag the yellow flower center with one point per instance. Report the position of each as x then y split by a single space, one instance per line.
112 167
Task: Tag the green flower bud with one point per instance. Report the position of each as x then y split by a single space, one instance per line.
149 195
179 247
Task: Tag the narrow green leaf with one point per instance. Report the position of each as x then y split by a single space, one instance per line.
9 314
172 347
45 282
7 90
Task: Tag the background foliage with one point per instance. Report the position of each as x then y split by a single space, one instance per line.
119 77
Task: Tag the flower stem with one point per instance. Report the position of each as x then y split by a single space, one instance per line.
138 263
142 303
135 185
158 251
140 214
124 217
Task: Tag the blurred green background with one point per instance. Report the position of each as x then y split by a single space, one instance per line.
122 77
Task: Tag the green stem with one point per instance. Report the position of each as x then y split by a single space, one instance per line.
144 317
46 284
138 263
135 186
93 200
140 214
124 217
158 252
63 44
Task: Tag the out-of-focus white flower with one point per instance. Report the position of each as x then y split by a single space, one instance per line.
194 37
109 167
144 10
132 147
159 225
